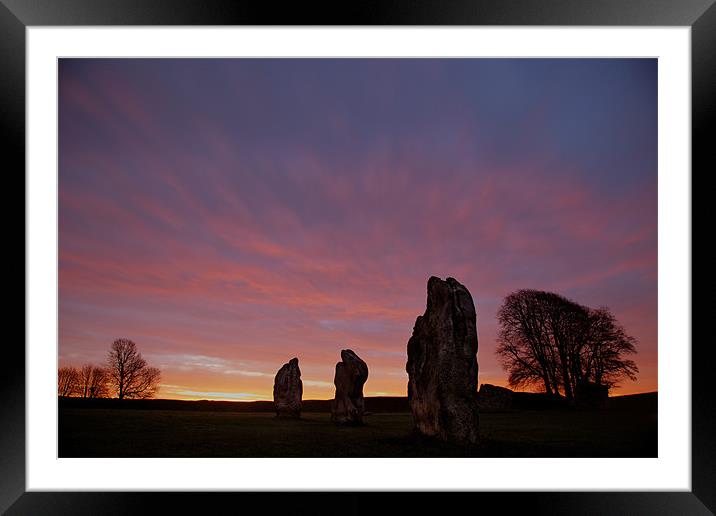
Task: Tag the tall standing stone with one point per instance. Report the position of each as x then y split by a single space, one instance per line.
442 365
287 390
348 405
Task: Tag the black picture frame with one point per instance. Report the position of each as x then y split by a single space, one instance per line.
700 15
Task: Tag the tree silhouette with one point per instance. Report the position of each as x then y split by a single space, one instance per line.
68 381
606 345
546 339
93 381
129 373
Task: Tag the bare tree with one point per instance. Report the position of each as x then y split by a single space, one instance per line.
93 381
526 343
605 347
129 373
546 339
68 380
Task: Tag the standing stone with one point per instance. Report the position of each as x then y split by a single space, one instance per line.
442 365
494 397
287 390
351 374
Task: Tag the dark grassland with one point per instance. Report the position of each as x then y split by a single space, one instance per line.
628 428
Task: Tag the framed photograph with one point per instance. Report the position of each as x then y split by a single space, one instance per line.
407 249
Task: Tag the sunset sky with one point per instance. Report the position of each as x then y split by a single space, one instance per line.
230 214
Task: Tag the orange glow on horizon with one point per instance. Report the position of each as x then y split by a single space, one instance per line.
263 391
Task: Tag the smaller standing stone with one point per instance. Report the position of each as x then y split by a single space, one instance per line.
494 397
351 374
287 390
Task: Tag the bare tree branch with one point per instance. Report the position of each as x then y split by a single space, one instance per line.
68 381
129 373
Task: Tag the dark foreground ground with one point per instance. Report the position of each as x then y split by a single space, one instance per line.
627 429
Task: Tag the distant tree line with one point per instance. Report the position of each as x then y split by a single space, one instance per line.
549 341
125 374
89 381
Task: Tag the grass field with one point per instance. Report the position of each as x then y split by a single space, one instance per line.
627 429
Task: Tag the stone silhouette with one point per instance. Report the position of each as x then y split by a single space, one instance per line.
348 405
592 395
494 397
442 365
287 390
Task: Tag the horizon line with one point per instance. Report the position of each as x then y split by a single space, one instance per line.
314 399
